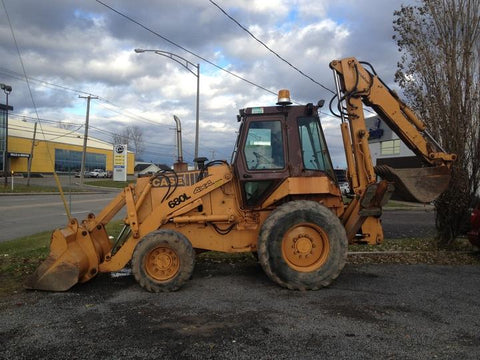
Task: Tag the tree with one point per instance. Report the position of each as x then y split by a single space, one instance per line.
121 137
136 136
439 73
132 136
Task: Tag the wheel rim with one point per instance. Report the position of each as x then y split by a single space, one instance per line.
162 263
305 247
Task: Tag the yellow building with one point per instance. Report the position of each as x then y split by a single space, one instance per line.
58 149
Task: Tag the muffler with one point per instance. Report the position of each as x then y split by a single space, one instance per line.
75 254
421 185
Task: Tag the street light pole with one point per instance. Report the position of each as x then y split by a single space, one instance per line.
187 65
7 89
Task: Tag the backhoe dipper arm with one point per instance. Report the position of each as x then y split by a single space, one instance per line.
355 87
358 83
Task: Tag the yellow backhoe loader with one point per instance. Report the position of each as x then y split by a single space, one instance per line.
279 197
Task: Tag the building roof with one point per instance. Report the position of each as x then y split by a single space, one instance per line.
141 167
22 129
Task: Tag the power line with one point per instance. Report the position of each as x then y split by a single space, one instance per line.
185 49
27 129
269 49
44 82
103 131
163 149
275 53
124 112
59 185
20 57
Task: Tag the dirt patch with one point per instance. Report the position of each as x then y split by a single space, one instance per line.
417 257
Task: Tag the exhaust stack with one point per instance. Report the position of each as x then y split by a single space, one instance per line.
180 165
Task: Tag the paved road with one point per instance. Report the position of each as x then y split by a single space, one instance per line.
26 215
232 311
29 214
408 223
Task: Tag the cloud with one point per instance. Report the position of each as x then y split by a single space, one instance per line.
86 46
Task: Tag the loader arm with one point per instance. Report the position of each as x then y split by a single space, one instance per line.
355 87
81 250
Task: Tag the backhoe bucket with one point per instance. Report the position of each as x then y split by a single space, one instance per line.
75 254
421 185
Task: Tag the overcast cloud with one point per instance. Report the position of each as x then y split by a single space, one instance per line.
84 46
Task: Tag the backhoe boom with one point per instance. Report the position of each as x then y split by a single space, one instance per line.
356 85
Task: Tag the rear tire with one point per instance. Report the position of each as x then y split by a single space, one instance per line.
302 245
163 261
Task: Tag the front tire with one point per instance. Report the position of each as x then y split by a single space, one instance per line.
163 261
302 245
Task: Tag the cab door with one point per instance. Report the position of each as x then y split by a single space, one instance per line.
261 161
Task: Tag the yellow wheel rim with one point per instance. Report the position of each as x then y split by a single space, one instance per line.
162 263
305 247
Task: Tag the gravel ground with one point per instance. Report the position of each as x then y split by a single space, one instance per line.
232 311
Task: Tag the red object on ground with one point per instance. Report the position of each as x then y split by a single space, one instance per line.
474 233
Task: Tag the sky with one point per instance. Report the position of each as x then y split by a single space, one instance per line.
71 48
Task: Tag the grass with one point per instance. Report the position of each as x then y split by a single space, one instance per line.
109 183
20 257
396 204
402 204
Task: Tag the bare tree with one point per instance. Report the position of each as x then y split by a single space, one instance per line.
136 136
440 75
132 136
122 137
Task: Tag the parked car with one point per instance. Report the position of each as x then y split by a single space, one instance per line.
474 233
98 173
86 174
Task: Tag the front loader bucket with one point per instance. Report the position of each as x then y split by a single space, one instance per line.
416 185
74 257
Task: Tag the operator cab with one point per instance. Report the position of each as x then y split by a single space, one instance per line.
276 143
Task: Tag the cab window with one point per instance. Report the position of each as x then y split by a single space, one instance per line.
314 151
264 146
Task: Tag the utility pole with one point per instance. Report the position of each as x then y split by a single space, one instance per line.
7 89
85 137
30 159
